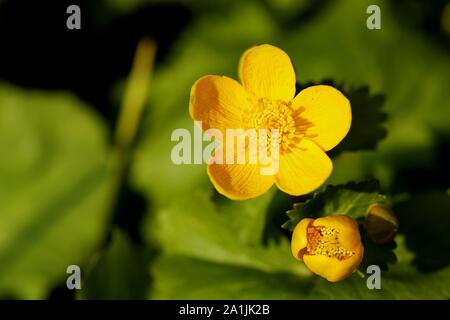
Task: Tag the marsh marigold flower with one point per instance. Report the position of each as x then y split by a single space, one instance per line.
330 246
310 123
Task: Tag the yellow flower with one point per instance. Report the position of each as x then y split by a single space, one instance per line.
312 122
330 246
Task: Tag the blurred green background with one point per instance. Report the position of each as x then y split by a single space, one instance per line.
152 230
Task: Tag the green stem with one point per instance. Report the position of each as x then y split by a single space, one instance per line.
133 105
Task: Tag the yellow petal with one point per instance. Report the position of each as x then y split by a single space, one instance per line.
303 169
218 102
349 236
331 268
329 112
267 72
239 181
299 239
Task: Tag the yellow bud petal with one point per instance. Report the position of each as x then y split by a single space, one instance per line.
299 240
330 246
333 269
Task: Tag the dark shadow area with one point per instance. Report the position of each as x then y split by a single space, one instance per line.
436 175
368 117
275 217
120 272
131 207
423 16
219 199
38 51
375 254
61 292
425 221
8 296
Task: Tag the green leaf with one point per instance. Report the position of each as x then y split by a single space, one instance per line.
119 272
199 229
400 282
54 188
351 199
202 279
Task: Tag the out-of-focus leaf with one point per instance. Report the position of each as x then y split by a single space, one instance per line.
117 273
54 188
287 11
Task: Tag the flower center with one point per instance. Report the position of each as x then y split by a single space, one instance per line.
269 114
325 241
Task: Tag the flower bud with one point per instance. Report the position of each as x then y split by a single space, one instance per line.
330 246
381 224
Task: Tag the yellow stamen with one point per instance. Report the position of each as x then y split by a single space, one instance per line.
325 241
269 114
